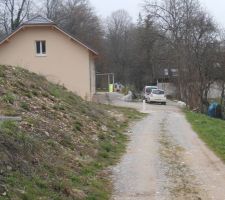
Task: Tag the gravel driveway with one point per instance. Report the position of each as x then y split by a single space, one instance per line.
166 160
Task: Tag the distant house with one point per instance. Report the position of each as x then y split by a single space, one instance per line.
40 46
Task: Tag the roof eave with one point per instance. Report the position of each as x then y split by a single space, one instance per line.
40 24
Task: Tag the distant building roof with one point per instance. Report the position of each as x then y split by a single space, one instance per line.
38 20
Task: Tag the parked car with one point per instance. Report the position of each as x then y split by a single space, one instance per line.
147 91
157 96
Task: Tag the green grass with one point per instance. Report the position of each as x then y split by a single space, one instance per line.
24 105
30 188
9 98
210 130
111 147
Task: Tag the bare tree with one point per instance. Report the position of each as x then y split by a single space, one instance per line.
78 18
12 13
52 9
191 34
149 46
118 29
220 67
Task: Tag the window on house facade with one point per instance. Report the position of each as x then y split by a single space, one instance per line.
174 72
41 48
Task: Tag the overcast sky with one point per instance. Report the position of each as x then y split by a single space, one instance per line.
106 7
217 10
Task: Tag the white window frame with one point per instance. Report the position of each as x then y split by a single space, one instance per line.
41 54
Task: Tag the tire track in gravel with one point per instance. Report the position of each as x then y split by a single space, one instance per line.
181 182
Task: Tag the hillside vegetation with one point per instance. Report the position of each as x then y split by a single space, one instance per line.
62 146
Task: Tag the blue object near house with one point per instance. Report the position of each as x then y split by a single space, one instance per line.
214 110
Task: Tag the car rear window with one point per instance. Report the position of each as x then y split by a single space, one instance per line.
158 92
149 89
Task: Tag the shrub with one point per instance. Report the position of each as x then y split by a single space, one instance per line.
2 74
29 95
9 127
9 98
55 91
25 106
35 93
77 126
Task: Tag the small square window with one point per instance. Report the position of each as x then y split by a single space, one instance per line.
41 47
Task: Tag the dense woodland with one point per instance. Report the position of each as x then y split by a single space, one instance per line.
169 34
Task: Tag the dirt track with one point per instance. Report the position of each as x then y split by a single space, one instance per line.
166 160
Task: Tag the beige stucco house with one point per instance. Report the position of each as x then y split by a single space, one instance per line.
40 46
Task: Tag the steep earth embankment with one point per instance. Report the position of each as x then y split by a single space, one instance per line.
62 145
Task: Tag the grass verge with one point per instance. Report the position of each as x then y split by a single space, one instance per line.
210 130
